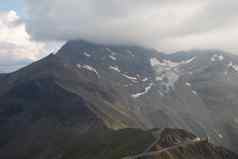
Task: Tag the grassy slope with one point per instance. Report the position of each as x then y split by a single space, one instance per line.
109 144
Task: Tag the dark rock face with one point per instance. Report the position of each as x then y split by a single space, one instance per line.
89 87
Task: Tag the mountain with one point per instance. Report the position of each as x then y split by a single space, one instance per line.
87 87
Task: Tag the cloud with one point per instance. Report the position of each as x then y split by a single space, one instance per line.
214 14
105 20
223 38
167 25
16 47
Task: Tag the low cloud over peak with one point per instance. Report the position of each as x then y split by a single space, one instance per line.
167 25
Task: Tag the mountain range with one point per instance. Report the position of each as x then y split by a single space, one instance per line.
110 95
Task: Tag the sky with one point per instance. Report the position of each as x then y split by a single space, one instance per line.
31 29
16 5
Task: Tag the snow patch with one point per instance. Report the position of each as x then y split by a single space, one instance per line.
161 94
79 65
111 52
133 79
112 57
147 89
217 57
197 139
145 79
154 62
169 79
87 54
89 68
194 92
188 84
115 68
189 60
233 66
130 52
220 136
221 57
167 72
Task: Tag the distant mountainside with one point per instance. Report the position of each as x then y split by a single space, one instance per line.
87 87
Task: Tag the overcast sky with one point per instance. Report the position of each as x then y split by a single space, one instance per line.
29 29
